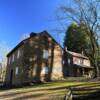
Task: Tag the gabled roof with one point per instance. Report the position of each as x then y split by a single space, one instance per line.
77 54
23 41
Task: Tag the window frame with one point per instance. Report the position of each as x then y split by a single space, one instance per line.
13 57
16 70
18 53
45 54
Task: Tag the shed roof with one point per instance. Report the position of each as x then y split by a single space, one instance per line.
83 66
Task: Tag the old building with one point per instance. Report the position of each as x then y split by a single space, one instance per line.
39 57
0 71
76 64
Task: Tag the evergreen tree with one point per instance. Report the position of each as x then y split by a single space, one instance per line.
76 39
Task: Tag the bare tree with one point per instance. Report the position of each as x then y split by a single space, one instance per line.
4 49
85 12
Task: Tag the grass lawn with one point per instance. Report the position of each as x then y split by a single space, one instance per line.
49 91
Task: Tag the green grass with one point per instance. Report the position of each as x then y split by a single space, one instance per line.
51 89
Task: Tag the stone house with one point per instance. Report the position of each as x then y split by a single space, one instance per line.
76 65
0 71
37 58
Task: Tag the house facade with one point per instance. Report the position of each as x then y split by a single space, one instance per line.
37 58
76 65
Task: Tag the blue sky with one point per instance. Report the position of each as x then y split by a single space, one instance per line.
18 17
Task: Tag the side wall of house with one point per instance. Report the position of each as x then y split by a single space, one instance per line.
14 67
68 65
57 71
41 58
35 61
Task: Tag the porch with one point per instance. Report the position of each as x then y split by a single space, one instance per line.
82 71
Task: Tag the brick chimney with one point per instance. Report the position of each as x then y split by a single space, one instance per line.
32 34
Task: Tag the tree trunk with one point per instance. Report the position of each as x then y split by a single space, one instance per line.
94 55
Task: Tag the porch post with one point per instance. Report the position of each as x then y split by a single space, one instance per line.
83 71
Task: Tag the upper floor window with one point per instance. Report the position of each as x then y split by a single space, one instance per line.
45 54
45 70
9 60
86 62
81 61
76 60
13 57
18 54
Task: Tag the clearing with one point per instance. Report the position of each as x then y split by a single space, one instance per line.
49 91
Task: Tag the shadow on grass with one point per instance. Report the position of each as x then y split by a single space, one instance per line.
89 96
55 83
26 97
86 92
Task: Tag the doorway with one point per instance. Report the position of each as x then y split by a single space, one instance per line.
11 77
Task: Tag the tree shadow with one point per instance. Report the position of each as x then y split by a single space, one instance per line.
39 62
32 61
86 92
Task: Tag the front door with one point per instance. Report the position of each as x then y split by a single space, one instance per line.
11 77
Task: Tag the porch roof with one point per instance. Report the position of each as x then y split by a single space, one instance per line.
83 66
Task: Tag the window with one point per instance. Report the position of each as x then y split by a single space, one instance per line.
18 54
16 71
9 60
45 54
44 70
30 59
81 61
63 62
13 57
69 61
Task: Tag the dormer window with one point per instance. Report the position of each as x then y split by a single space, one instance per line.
45 54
